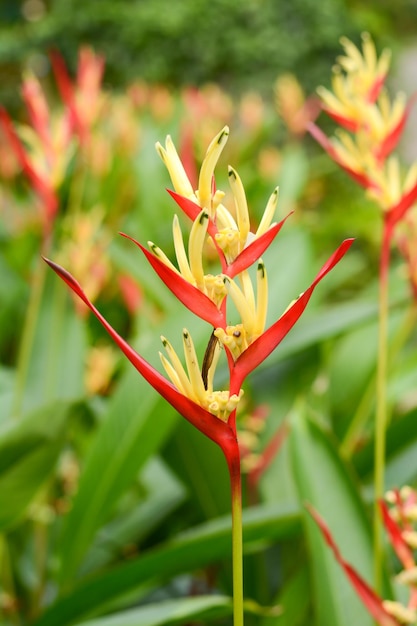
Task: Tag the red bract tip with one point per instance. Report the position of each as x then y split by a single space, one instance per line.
262 347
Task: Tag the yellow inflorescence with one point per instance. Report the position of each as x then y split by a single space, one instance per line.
232 236
400 612
359 102
190 382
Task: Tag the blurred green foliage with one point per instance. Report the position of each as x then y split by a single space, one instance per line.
113 509
240 45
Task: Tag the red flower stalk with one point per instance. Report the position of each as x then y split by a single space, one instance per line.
373 603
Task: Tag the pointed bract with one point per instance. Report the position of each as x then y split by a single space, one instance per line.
269 340
361 178
254 250
370 599
194 299
214 428
402 549
397 212
192 210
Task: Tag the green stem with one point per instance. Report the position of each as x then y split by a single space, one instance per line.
233 461
381 416
364 409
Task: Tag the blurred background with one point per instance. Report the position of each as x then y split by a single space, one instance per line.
239 46
100 481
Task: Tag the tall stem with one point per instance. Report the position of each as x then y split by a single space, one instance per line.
381 416
233 461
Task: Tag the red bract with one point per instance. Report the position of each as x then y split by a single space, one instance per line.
346 122
269 340
393 137
371 600
251 253
214 428
401 548
194 299
397 212
38 111
41 183
360 177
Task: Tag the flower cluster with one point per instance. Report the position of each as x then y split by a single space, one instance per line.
371 124
44 147
191 388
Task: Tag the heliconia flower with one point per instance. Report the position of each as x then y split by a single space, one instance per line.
375 125
379 609
84 98
42 149
357 80
192 394
190 389
41 184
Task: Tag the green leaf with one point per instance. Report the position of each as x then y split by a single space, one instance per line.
193 549
29 448
325 482
136 425
57 356
201 466
128 437
163 493
178 611
293 600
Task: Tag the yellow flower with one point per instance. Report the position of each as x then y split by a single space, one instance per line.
203 196
191 382
252 311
